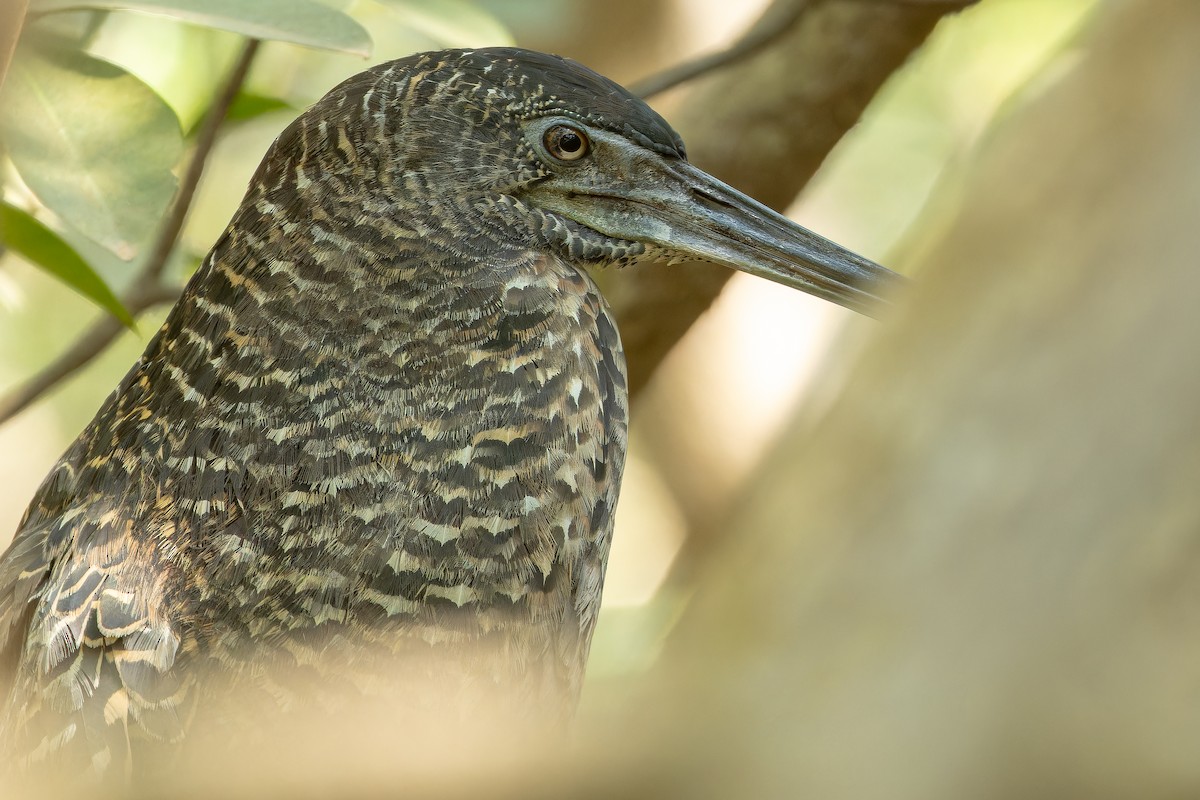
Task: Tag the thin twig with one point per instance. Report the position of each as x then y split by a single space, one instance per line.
92 343
148 289
206 137
781 17
11 21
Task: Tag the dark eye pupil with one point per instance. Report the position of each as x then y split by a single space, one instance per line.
570 142
566 143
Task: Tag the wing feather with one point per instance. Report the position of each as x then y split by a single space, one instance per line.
87 648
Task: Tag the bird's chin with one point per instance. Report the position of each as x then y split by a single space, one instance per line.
580 245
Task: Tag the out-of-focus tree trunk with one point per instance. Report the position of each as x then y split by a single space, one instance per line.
981 576
765 125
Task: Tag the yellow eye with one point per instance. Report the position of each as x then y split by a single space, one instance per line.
566 143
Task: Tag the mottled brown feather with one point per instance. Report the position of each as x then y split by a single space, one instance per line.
380 437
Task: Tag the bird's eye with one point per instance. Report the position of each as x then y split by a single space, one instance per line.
566 143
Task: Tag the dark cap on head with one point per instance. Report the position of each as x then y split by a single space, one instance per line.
539 85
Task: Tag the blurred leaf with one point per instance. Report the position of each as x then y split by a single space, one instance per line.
39 245
184 64
249 105
94 143
303 22
537 19
452 23
79 29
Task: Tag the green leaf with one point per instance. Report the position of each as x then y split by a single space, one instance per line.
452 23
39 245
305 22
94 143
248 105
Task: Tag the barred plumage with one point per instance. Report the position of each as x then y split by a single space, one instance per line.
380 437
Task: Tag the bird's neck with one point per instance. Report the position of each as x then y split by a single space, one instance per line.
422 402
269 346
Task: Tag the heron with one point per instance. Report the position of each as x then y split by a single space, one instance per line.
380 436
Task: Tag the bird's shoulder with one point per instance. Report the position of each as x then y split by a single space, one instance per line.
87 639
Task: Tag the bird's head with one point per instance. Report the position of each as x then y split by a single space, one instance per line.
496 148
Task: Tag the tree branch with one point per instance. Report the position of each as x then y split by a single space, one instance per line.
12 17
88 346
775 22
206 137
765 125
148 289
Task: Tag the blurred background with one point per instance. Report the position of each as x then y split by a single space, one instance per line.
730 384
923 495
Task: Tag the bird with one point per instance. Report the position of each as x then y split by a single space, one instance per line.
379 439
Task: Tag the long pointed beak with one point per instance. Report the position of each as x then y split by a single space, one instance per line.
692 215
